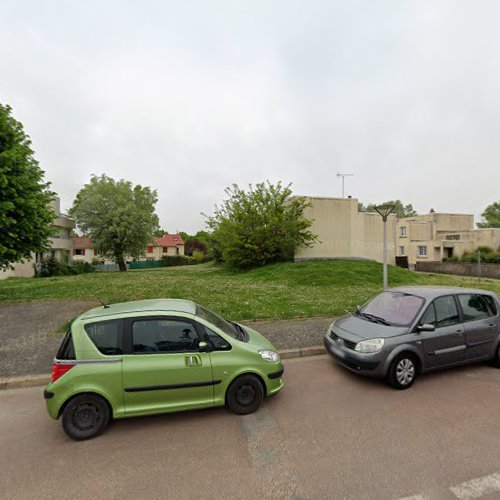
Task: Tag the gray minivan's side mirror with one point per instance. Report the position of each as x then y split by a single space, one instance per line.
426 327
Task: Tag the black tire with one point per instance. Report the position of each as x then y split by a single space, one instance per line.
403 371
85 417
244 395
496 360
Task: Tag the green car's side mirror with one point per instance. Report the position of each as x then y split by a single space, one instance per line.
204 347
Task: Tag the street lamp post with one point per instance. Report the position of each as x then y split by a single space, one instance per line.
384 211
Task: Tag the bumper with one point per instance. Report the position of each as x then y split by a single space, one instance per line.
364 364
274 380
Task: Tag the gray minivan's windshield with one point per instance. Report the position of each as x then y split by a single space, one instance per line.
392 308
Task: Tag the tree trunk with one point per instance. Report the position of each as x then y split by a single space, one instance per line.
121 264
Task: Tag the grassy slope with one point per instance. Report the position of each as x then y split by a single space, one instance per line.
277 291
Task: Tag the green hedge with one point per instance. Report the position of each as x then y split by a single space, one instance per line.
52 267
182 260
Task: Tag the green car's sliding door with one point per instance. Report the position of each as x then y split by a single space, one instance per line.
163 369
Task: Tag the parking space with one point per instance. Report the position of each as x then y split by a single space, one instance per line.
329 434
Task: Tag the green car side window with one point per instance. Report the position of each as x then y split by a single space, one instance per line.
216 340
106 336
163 336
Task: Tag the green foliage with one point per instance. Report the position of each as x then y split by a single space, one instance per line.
25 215
183 260
400 211
50 266
158 233
486 255
260 226
119 217
491 215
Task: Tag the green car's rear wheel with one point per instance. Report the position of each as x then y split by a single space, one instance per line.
85 417
245 394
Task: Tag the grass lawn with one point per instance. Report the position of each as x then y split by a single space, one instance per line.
289 290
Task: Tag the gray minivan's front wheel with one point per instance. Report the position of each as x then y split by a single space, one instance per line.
244 395
85 417
403 371
496 360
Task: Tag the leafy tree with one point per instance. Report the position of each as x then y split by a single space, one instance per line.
25 214
260 226
158 233
119 217
193 245
400 211
491 216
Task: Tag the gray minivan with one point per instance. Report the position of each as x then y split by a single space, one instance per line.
405 331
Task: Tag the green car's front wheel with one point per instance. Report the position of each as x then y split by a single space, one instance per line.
85 417
244 395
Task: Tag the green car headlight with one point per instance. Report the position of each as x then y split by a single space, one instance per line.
270 356
370 345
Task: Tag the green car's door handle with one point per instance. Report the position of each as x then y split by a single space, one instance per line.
193 360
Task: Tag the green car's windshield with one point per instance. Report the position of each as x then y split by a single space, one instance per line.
221 323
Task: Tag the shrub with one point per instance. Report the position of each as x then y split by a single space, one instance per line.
50 266
81 268
183 260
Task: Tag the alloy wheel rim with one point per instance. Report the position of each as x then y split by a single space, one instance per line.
245 395
405 371
86 416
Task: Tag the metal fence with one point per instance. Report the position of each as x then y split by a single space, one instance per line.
145 264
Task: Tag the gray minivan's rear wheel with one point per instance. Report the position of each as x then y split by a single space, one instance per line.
244 395
403 371
85 417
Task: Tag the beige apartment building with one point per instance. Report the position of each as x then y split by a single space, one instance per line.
61 245
344 232
435 236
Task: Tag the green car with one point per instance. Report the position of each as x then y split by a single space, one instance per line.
157 356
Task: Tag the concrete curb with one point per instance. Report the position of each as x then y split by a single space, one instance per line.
37 380
25 381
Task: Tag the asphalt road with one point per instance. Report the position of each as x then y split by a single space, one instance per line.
329 434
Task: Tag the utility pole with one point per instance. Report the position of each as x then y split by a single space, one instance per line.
385 211
343 178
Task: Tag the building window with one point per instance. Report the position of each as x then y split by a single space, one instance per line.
422 251
401 250
402 232
150 249
165 249
79 251
177 250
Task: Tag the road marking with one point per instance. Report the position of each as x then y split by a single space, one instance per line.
268 454
415 497
476 488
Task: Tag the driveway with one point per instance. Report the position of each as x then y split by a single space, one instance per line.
27 344
328 434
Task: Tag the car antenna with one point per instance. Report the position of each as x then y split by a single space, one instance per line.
106 306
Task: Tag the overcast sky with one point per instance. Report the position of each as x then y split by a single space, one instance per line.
188 97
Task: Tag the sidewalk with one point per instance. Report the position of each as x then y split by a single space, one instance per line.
27 345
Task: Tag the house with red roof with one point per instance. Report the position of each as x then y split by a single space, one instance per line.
168 245
83 250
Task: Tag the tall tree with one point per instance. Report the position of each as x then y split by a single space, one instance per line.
400 211
119 217
491 215
260 226
25 214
